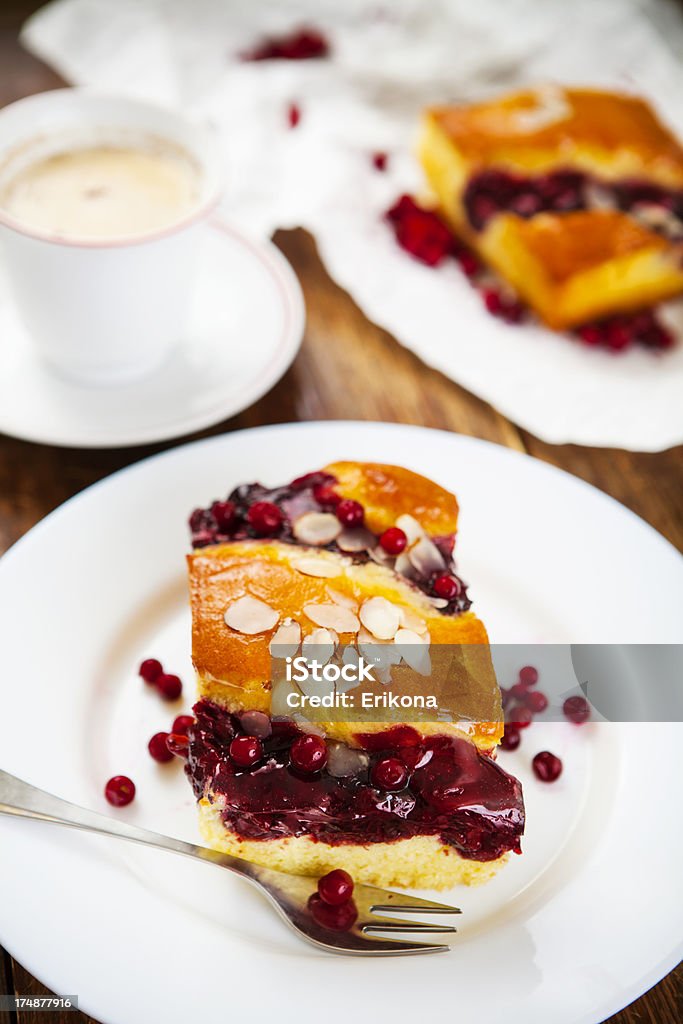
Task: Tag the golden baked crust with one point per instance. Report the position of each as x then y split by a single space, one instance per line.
576 267
234 668
387 492
422 862
610 133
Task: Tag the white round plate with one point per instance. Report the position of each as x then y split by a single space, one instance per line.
582 923
244 330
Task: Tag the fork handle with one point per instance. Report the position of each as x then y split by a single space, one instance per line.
20 800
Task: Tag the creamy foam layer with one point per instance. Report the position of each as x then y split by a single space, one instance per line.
104 192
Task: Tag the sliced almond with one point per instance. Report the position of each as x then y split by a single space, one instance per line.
343 761
356 540
316 528
333 616
343 599
408 636
380 617
409 620
316 566
414 651
306 726
285 642
249 615
379 555
321 637
438 602
426 558
278 698
383 674
410 527
377 652
404 566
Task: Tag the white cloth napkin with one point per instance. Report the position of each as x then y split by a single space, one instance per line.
390 59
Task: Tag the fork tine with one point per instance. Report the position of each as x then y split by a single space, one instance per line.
397 947
393 924
383 899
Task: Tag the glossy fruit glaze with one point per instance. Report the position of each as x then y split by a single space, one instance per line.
450 790
253 511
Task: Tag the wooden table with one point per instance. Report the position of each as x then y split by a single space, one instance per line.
341 346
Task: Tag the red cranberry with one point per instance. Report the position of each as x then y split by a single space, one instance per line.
245 751
120 790
482 208
577 710
335 888
158 748
379 161
514 312
350 513
420 232
293 114
519 692
300 483
150 670
469 264
393 540
304 44
198 520
256 723
519 716
182 724
617 336
309 753
169 686
265 518
446 587
390 774
325 495
506 309
203 537
591 334
546 766
536 701
511 738
528 675
338 919
493 301
178 744
526 204
224 514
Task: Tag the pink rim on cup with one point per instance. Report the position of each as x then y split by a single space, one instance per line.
103 311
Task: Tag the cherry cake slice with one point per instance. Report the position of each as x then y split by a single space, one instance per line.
355 554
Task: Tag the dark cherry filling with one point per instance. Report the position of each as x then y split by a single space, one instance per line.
497 191
407 786
252 510
428 239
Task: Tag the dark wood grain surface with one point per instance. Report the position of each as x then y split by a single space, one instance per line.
347 369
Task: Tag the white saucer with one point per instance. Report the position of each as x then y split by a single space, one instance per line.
245 328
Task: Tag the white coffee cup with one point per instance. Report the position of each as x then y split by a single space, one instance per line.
99 310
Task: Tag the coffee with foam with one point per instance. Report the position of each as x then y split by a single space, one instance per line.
104 192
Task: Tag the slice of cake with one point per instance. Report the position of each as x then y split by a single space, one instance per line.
357 557
573 196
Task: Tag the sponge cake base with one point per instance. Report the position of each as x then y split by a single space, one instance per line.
421 862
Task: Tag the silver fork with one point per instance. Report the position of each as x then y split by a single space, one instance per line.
289 893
